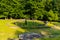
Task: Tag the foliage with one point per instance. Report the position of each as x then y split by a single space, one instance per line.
33 9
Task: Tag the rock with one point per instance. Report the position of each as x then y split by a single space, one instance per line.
30 36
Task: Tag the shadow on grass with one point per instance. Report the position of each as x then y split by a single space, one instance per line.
30 25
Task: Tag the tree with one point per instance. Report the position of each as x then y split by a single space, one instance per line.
33 9
52 15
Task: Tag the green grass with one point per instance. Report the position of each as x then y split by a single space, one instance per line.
56 23
11 28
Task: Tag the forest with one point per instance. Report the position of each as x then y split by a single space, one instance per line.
30 9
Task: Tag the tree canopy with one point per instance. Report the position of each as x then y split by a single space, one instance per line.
32 9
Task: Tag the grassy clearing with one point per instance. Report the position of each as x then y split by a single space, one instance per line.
11 28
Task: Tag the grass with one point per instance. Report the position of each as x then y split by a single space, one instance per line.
56 23
6 30
11 28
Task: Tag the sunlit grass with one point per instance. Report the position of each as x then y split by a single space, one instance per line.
6 31
56 23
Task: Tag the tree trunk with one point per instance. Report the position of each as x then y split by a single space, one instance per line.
25 21
45 22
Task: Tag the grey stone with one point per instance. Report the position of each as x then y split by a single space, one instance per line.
29 36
